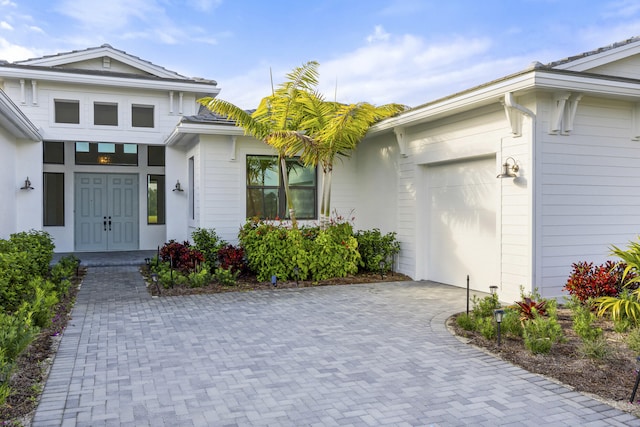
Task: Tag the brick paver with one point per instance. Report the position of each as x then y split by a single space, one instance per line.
363 355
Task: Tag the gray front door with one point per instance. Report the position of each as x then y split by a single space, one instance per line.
106 212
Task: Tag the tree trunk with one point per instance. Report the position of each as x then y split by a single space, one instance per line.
326 197
285 181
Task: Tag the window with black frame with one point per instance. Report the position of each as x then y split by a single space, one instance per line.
265 188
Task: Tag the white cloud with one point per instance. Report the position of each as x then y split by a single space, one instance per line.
378 35
406 69
6 26
12 52
7 3
35 29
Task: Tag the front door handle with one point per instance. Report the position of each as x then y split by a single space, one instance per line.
104 223
109 223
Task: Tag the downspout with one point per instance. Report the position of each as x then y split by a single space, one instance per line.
511 104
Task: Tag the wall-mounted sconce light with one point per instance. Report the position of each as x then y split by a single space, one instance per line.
27 185
178 187
509 168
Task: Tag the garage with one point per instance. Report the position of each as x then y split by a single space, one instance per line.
461 234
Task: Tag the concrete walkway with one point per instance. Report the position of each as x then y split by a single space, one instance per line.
363 355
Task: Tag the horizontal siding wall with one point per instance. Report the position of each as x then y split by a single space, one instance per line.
470 135
590 183
42 112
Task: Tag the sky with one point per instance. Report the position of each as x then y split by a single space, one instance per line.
404 51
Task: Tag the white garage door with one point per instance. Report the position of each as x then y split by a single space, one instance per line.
462 223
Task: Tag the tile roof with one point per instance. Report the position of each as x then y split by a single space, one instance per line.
593 52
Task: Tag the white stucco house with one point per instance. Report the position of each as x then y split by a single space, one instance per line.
106 151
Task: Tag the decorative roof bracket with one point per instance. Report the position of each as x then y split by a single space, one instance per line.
515 112
402 140
232 154
564 113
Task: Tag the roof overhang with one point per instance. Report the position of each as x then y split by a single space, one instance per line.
15 122
517 84
185 133
87 78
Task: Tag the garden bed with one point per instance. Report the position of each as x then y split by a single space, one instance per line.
610 379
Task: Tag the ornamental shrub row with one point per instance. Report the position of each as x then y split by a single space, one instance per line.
28 294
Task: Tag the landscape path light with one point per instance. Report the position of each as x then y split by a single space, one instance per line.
296 274
497 314
381 264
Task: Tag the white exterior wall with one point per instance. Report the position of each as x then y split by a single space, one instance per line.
589 189
39 107
9 189
221 184
41 111
21 210
374 181
468 136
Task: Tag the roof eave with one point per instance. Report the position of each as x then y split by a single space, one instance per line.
537 79
14 120
184 132
67 76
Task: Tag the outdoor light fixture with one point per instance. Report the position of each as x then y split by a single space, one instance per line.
381 264
509 169
178 187
27 185
635 387
274 280
497 314
154 280
147 262
493 289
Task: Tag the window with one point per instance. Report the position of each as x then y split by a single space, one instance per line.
155 199
265 189
53 199
155 155
105 114
53 152
106 153
67 111
142 116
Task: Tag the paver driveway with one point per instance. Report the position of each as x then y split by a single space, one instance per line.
358 355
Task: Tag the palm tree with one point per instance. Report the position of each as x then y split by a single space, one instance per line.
277 118
334 129
297 121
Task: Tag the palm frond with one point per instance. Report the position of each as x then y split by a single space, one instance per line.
241 117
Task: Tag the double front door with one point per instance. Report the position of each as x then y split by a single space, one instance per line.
106 212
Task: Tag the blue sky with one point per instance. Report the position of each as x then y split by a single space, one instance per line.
406 51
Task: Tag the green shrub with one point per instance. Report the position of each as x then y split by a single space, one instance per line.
199 278
594 348
375 247
621 325
43 303
207 242
540 333
15 277
633 340
487 327
225 277
39 245
466 322
511 324
334 253
583 319
275 250
484 307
